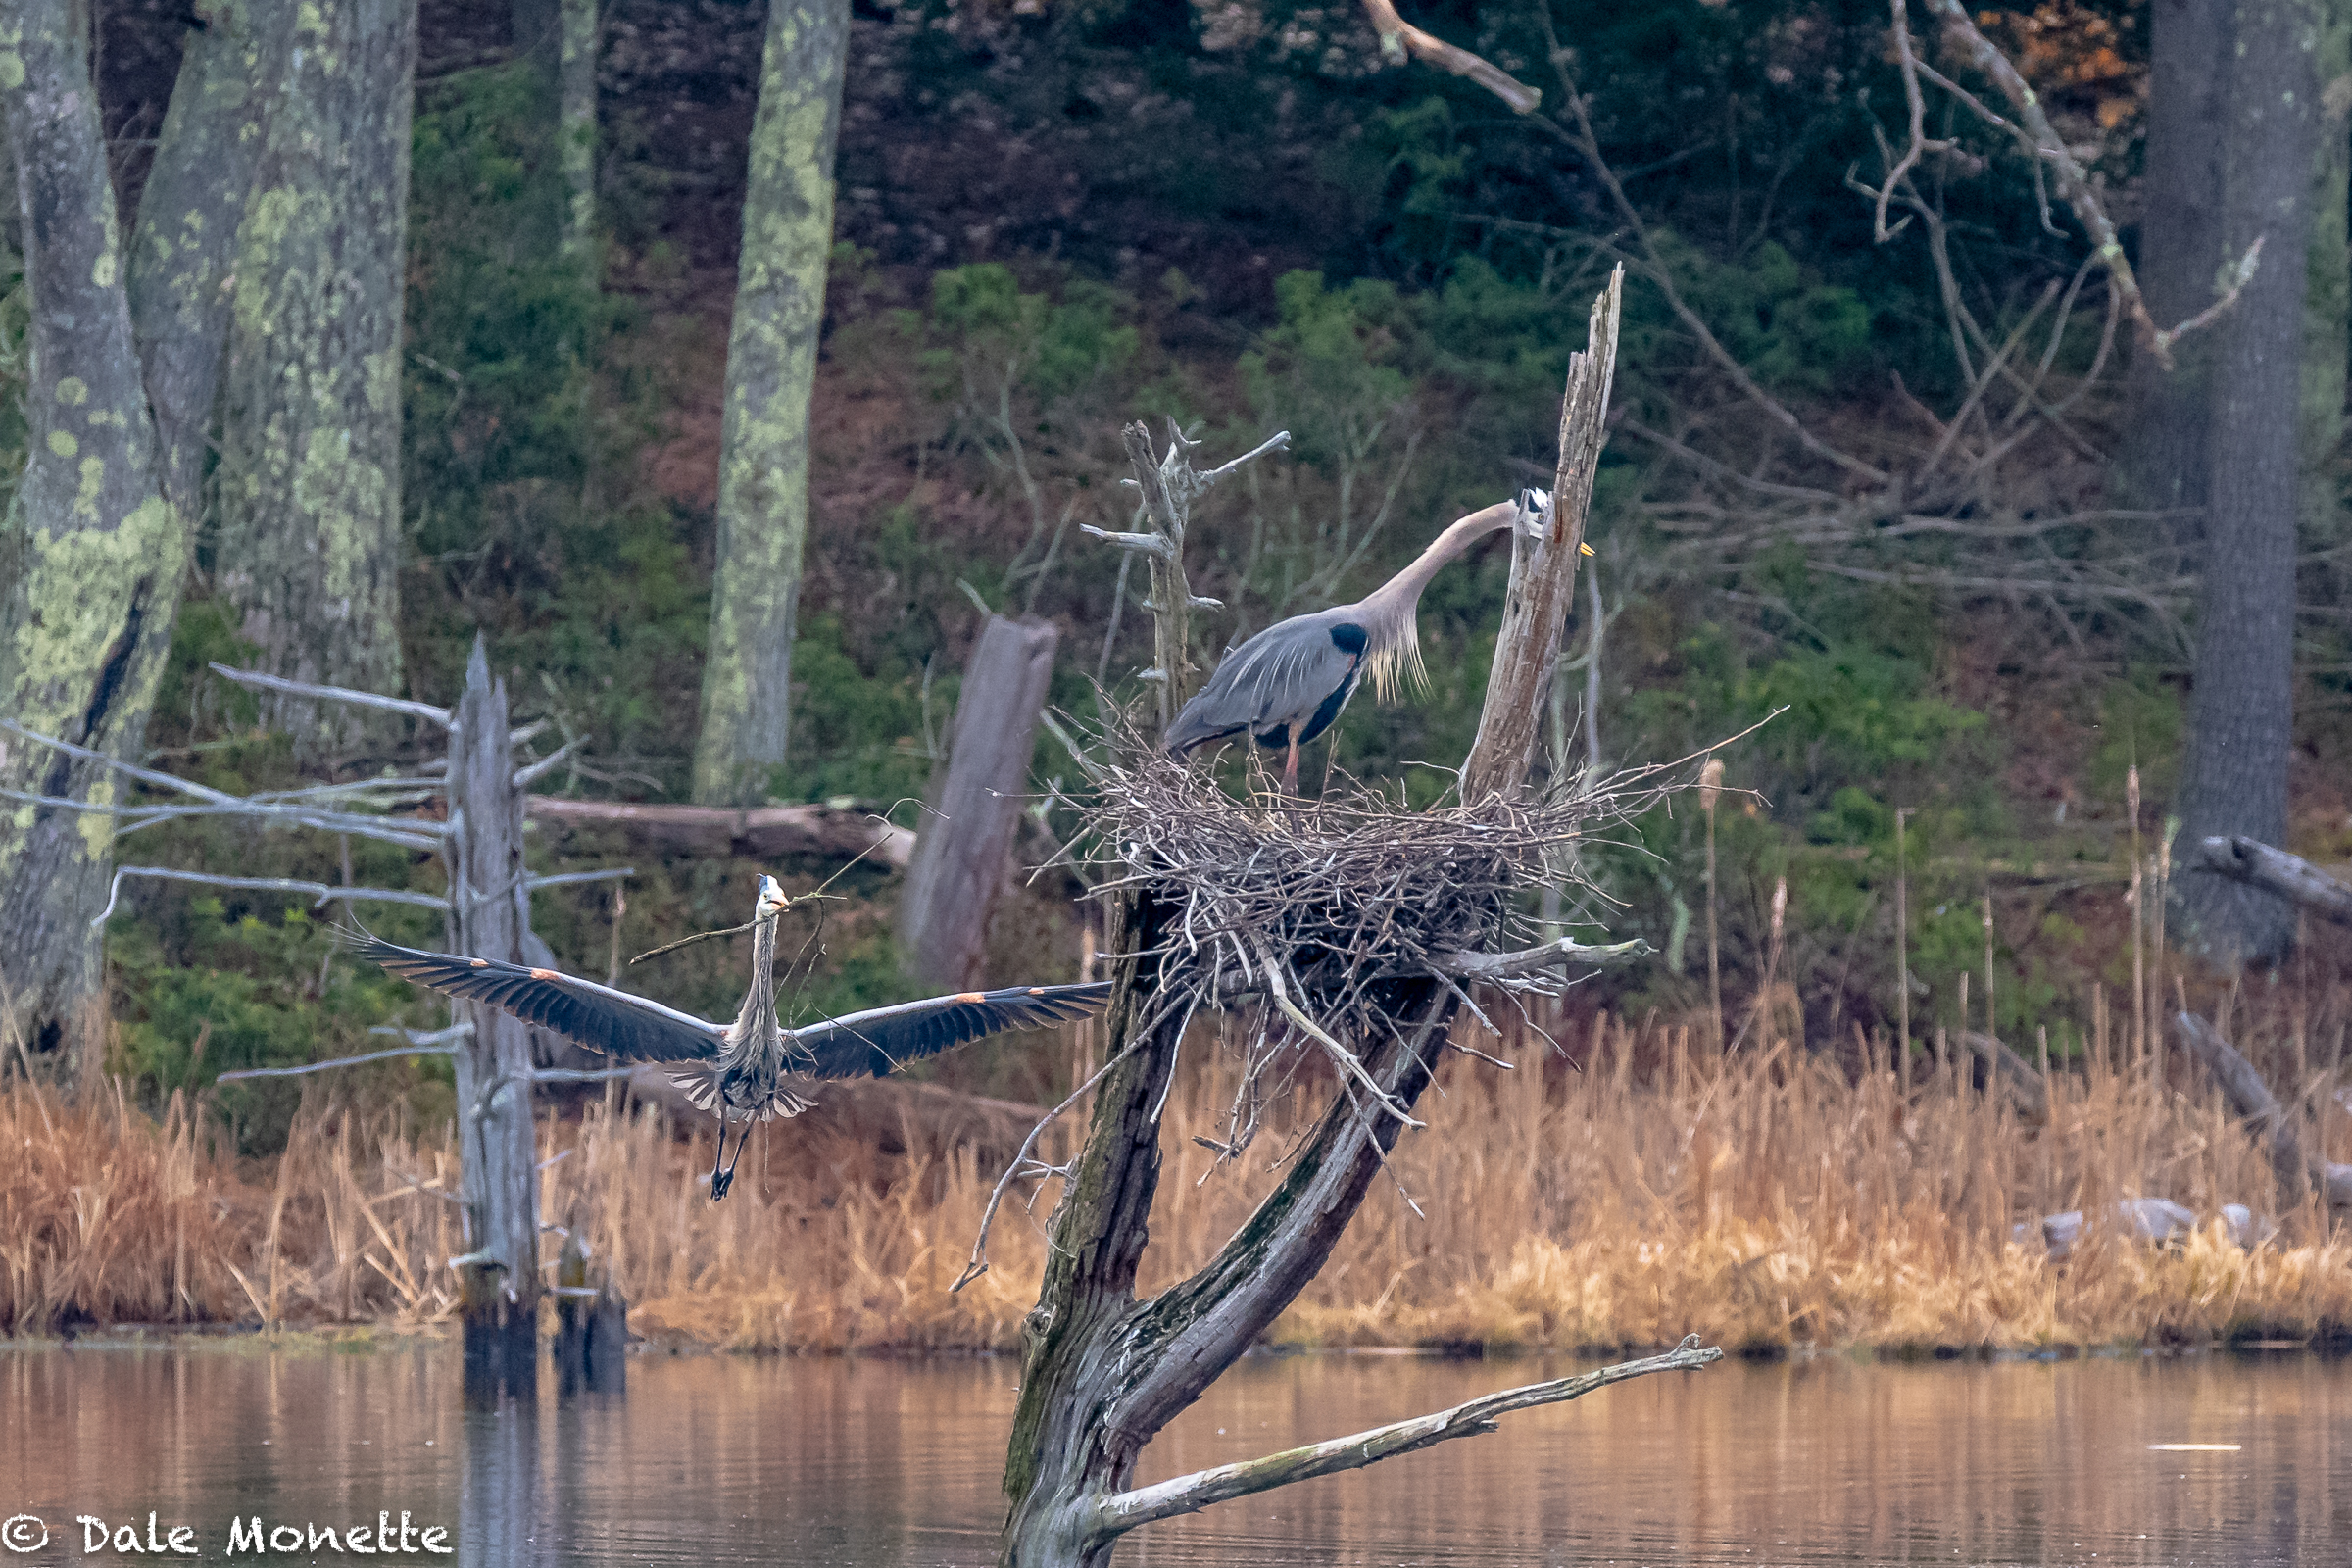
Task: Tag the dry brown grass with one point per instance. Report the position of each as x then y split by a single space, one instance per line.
1776 1201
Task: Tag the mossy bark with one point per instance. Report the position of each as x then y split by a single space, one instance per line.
184 246
575 123
91 554
307 548
771 368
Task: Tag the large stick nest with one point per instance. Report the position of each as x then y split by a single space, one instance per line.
1323 908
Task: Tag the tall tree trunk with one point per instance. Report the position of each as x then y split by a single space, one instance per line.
2241 717
309 482
92 553
771 368
575 123
2180 251
183 248
2328 300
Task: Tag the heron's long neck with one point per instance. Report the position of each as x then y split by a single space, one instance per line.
758 1014
1390 613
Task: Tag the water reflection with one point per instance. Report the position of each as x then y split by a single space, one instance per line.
722 1460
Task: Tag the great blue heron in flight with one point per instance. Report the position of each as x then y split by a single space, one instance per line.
1286 684
745 1070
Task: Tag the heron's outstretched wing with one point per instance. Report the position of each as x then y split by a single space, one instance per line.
885 1038
596 1016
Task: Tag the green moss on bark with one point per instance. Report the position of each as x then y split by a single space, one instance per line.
771 370
309 535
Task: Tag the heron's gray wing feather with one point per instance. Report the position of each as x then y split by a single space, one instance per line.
1283 674
599 1017
882 1039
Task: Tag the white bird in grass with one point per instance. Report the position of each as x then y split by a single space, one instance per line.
747 1071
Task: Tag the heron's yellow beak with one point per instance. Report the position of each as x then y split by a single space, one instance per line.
1583 549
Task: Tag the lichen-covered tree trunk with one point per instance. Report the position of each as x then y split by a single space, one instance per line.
184 246
771 368
307 548
91 554
575 123
2241 717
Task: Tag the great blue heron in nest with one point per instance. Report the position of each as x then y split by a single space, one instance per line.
751 1070
1288 684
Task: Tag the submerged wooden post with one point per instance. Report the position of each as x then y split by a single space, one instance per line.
592 1322
489 904
959 854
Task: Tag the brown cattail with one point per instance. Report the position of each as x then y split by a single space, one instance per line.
1711 784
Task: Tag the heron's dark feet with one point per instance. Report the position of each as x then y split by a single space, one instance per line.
720 1179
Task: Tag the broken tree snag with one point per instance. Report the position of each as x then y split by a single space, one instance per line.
966 835
2290 876
1348 918
490 906
2265 1117
1544 581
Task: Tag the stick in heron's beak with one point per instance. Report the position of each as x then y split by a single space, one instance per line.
666 946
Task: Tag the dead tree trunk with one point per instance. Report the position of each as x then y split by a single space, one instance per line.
489 897
1104 1373
960 855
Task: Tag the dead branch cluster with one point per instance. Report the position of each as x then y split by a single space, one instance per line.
1321 909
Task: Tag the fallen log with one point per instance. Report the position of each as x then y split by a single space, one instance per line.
2274 870
2024 1085
713 832
2252 1100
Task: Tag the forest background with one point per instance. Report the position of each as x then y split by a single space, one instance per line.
1052 219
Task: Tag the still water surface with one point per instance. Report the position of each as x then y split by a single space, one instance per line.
722 1460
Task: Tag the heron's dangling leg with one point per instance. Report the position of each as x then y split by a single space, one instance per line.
1290 768
742 1137
719 1179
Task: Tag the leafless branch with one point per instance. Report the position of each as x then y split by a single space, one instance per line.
1117 1515
1550 954
333 694
339 1061
1399 38
320 893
